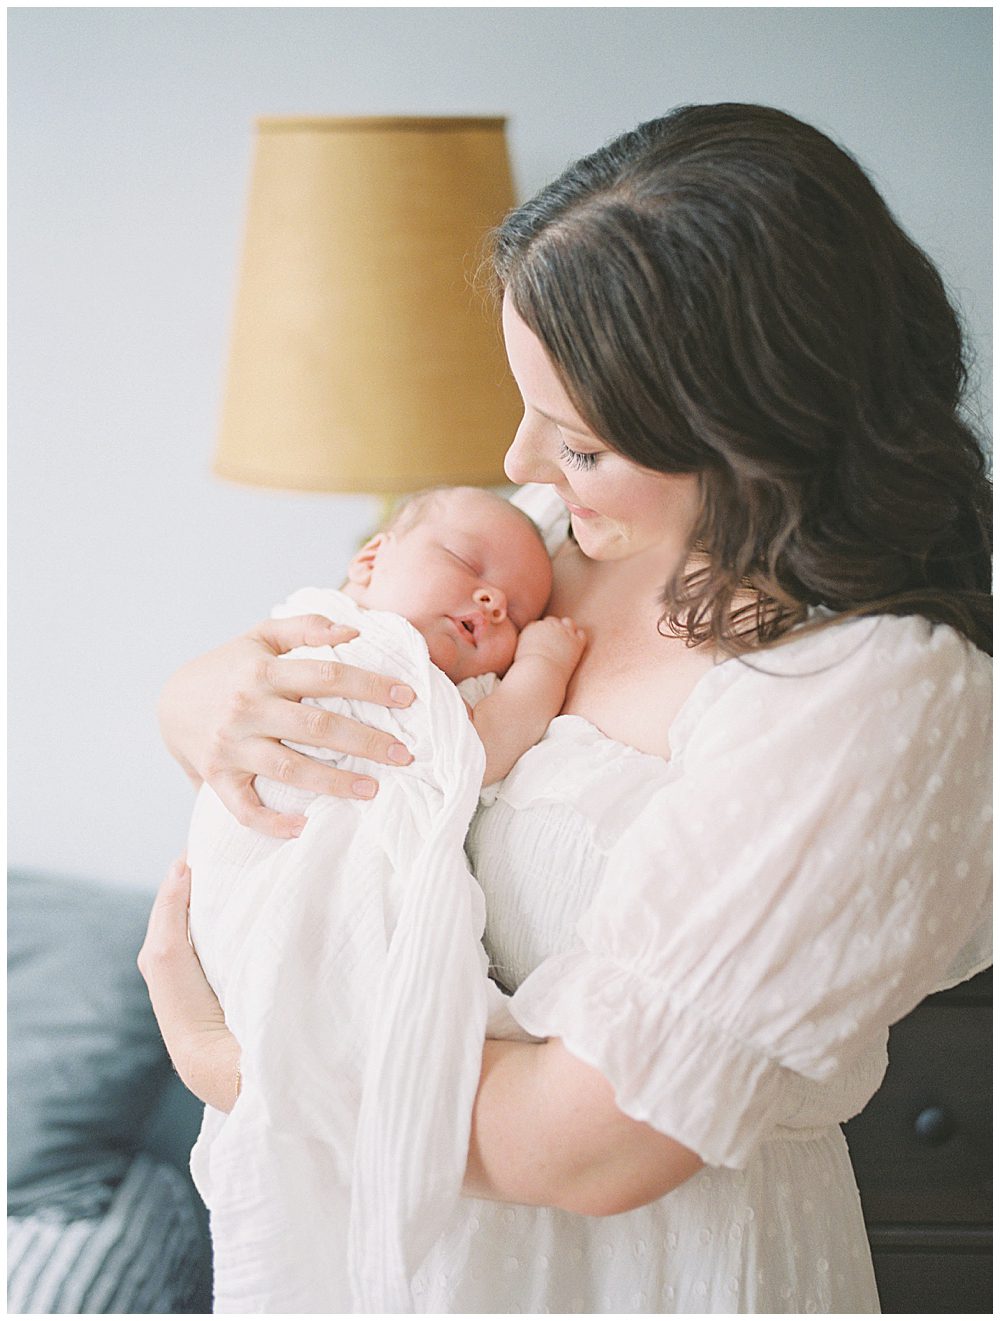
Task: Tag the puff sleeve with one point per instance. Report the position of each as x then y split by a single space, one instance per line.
815 865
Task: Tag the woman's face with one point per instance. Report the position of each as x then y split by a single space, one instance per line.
618 510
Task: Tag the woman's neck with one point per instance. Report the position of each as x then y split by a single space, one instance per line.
635 583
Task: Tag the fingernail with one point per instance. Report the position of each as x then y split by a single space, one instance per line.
295 831
364 788
399 755
400 695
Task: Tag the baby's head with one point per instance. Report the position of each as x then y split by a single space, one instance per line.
466 568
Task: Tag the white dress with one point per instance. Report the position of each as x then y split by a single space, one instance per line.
727 937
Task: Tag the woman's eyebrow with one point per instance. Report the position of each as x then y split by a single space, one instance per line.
579 426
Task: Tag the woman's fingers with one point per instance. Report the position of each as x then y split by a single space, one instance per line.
239 797
301 722
181 995
169 912
166 930
279 763
301 631
316 678
224 715
287 766
203 1050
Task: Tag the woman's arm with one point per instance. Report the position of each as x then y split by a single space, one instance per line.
545 1127
546 1132
223 717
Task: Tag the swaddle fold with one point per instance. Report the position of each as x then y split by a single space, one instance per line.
350 966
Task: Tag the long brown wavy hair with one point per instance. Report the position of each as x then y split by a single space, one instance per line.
724 292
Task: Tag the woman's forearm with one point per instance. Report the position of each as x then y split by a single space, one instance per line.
546 1132
545 1127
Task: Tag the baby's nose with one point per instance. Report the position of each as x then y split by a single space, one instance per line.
493 602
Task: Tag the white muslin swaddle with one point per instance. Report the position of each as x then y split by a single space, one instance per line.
351 970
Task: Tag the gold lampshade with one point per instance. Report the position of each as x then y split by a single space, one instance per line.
363 360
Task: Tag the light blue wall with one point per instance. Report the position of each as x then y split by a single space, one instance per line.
129 148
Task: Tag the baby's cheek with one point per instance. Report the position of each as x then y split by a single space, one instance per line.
506 653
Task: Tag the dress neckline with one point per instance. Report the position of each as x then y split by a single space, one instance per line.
686 717
728 669
549 512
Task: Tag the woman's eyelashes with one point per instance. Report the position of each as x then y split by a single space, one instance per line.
578 459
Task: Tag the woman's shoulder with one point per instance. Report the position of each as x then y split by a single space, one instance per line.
847 678
874 651
873 647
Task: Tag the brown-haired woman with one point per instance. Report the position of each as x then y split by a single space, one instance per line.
757 833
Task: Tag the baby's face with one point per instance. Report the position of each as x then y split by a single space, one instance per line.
468 576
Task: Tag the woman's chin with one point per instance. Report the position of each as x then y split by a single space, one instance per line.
598 539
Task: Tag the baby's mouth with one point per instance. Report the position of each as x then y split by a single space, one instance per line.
469 625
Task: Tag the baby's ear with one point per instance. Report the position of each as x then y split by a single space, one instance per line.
359 571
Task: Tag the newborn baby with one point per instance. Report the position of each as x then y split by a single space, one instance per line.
471 574
349 960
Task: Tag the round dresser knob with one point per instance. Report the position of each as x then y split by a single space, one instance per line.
934 1125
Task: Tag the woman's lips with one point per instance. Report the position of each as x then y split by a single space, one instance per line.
578 511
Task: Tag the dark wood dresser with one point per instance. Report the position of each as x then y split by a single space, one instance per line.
922 1156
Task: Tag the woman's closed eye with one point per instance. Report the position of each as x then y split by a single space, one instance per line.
579 459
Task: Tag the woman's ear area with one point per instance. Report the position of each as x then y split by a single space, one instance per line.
359 571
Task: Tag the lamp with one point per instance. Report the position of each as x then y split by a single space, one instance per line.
362 358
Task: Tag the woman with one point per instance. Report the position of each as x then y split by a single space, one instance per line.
755 835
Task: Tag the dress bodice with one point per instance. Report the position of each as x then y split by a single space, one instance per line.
539 842
762 890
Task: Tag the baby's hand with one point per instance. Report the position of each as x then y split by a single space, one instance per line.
555 640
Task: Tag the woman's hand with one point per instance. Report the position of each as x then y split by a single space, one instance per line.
223 717
203 1050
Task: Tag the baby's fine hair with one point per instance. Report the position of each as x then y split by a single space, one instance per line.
413 509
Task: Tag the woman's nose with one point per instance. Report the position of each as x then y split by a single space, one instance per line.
525 461
493 602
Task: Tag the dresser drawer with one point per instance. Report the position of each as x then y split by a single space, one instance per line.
952 1280
921 1149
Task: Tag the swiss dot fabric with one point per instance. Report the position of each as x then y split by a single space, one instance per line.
727 936
791 886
